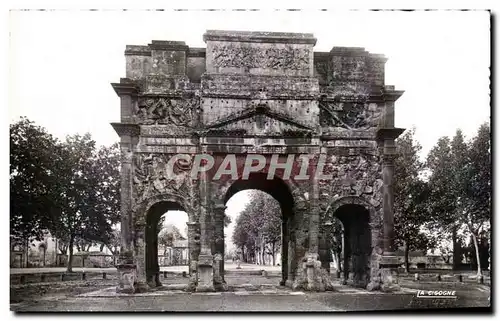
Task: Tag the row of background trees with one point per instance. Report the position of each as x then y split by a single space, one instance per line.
258 229
446 196
69 188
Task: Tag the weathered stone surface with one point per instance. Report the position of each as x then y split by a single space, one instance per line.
266 93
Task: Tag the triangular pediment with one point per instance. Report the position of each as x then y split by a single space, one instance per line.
258 120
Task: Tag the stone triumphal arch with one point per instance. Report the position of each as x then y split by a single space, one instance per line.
264 93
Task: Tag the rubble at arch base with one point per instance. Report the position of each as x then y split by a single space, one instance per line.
266 94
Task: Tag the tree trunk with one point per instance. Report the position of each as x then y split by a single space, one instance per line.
70 257
474 238
274 253
44 253
26 250
456 254
339 260
101 247
263 251
407 257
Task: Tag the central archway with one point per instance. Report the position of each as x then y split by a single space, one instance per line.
280 191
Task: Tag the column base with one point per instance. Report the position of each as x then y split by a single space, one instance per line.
157 280
389 273
219 283
141 287
193 278
205 274
127 278
313 278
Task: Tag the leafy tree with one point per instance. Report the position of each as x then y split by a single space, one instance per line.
85 198
461 184
476 199
31 180
410 197
443 196
82 245
259 225
106 167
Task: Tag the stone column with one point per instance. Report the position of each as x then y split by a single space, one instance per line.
205 259
386 136
141 284
284 250
194 252
128 133
325 246
346 248
389 262
218 214
315 275
126 265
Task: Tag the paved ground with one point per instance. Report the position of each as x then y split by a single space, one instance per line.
248 291
293 301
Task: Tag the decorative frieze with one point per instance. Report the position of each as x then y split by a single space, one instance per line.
256 57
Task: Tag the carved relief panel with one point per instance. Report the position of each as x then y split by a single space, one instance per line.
152 176
349 115
256 57
359 174
178 112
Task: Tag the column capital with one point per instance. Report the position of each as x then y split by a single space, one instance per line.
126 87
124 129
389 133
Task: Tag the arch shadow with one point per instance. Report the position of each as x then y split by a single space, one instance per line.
355 214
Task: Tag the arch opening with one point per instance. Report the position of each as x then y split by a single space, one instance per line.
278 194
165 239
356 244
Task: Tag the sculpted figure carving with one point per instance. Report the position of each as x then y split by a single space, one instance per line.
151 177
162 110
274 58
346 115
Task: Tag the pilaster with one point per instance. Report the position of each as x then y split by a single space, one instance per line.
205 259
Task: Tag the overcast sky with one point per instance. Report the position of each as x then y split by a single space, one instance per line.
62 63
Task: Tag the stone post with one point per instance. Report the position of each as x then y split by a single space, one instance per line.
205 259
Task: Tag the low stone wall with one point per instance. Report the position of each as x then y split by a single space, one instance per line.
59 277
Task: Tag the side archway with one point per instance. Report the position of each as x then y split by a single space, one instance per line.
145 224
356 216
